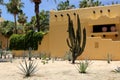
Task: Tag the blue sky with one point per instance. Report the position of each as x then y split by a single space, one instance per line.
46 5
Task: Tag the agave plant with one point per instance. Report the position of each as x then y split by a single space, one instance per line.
82 66
28 68
117 70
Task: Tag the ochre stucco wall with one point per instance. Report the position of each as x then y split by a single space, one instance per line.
97 47
106 45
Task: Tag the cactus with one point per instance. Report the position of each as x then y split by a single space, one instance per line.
76 41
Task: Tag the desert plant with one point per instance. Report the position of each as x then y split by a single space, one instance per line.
28 68
76 41
82 66
108 58
68 56
44 58
117 70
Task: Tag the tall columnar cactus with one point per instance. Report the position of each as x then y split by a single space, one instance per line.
76 41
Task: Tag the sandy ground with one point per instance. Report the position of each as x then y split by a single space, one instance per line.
61 70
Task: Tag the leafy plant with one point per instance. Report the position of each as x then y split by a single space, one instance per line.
24 41
28 68
82 66
44 58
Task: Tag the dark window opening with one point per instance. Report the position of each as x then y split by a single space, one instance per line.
104 28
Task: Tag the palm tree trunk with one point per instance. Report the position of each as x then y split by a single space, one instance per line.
37 15
15 23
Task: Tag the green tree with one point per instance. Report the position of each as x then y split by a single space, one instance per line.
37 3
44 20
14 7
6 29
1 1
65 5
22 19
89 3
114 2
28 26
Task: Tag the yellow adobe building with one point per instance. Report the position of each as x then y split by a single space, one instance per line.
103 32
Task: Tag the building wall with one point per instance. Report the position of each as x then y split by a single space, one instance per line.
97 47
109 44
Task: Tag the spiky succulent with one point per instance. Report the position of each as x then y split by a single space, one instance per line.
28 68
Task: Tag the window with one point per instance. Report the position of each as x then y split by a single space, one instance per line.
104 28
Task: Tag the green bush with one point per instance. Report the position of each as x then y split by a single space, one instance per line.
24 41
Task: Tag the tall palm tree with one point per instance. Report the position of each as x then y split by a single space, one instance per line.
37 3
44 20
89 3
65 5
14 7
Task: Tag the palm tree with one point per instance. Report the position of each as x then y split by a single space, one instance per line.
6 29
115 2
65 5
22 19
37 3
14 7
44 20
89 3
0 12
28 26
98 3
1 1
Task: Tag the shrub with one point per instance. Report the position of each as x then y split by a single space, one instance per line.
82 66
28 68
68 56
24 41
44 58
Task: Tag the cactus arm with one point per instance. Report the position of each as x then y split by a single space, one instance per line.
71 31
84 40
78 31
68 43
